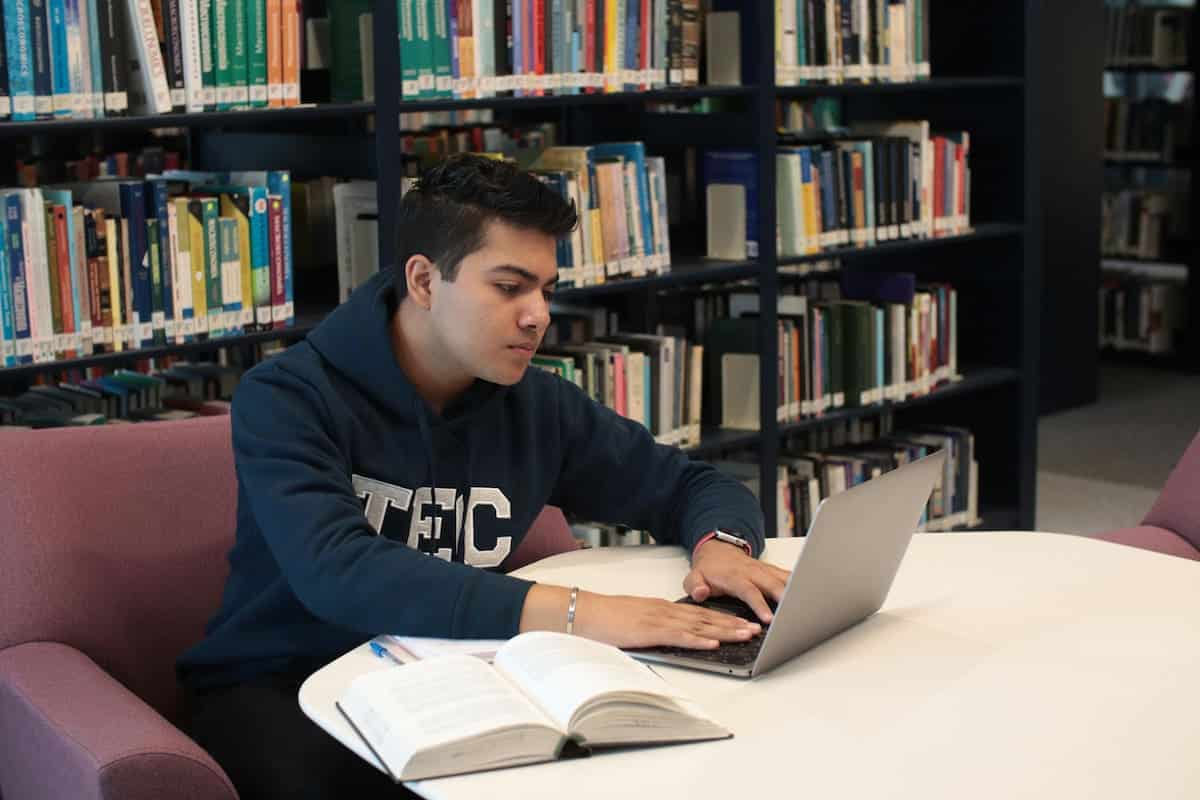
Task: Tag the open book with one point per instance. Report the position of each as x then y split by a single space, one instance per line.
545 694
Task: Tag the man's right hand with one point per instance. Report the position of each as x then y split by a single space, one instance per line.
627 621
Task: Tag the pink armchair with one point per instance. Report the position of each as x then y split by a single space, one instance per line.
113 544
1172 525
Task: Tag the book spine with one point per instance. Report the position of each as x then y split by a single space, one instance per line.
133 214
278 295
59 271
275 53
95 67
158 314
205 11
5 106
231 279
212 264
77 266
7 333
193 68
99 290
290 11
22 300
440 43
409 75
159 200
19 58
114 57
78 61
260 257
149 57
173 54
256 52
181 277
235 43
43 82
60 64
425 67
197 258
280 183
222 70
502 46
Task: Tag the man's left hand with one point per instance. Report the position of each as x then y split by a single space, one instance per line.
719 568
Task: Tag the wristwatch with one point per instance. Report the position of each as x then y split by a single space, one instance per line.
727 537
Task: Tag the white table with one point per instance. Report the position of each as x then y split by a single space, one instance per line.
1003 665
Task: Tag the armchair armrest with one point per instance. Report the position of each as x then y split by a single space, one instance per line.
68 729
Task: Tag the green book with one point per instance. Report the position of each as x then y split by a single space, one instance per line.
345 75
858 362
223 73
52 268
405 12
235 35
427 87
208 73
256 51
229 251
157 314
835 339
443 75
212 264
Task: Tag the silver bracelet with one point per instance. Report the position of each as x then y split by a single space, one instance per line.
571 609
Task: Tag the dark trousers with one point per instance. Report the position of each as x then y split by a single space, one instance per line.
271 750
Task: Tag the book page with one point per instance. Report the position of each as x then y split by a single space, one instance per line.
564 672
403 710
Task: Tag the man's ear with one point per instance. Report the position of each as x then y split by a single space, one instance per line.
419 276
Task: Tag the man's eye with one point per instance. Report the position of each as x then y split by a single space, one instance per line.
508 288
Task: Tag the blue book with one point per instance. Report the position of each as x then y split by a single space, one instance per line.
7 334
15 246
64 199
516 53
630 45
133 210
18 44
158 196
737 167
60 55
829 215
43 81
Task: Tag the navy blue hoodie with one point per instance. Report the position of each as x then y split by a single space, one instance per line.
341 534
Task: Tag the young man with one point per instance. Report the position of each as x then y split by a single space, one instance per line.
388 464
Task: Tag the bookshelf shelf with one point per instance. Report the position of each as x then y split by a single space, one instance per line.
929 85
1148 69
973 381
573 100
986 231
298 331
251 117
717 440
686 273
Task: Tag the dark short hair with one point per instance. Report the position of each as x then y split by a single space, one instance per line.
445 215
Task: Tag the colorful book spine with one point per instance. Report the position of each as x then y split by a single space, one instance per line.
212 264
133 213
443 76
80 94
156 95
158 199
279 183
181 278
90 9
423 50
278 292
237 206
274 53
291 52
256 52
158 317
197 257
98 278
59 271
172 50
43 82
235 34
204 23
8 356
231 275
60 64
193 66
260 257
17 262
5 99
222 68
18 41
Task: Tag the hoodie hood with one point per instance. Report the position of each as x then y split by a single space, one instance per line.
356 340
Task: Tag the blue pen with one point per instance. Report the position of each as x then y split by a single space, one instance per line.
382 652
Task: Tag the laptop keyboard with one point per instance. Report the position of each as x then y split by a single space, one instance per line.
734 654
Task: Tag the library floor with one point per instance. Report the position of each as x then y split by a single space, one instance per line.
1101 466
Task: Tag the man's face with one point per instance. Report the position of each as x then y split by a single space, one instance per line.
491 318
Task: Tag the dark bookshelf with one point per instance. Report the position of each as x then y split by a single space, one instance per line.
981 82
1148 68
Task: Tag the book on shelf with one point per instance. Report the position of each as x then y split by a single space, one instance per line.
1139 224
115 265
1141 315
1143 129
545 696
1146 37
878 342
851 41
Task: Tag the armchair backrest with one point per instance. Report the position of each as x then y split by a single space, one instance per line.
1178 505
113 540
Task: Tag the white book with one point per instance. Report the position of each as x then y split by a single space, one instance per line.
189 36
152 73
544 693
79 43
364 250
37 274
350 199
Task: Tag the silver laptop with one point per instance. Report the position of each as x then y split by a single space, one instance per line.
850 558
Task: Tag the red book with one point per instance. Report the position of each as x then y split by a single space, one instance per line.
63 245
644 45
939 184
539 40
275 257
589 41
